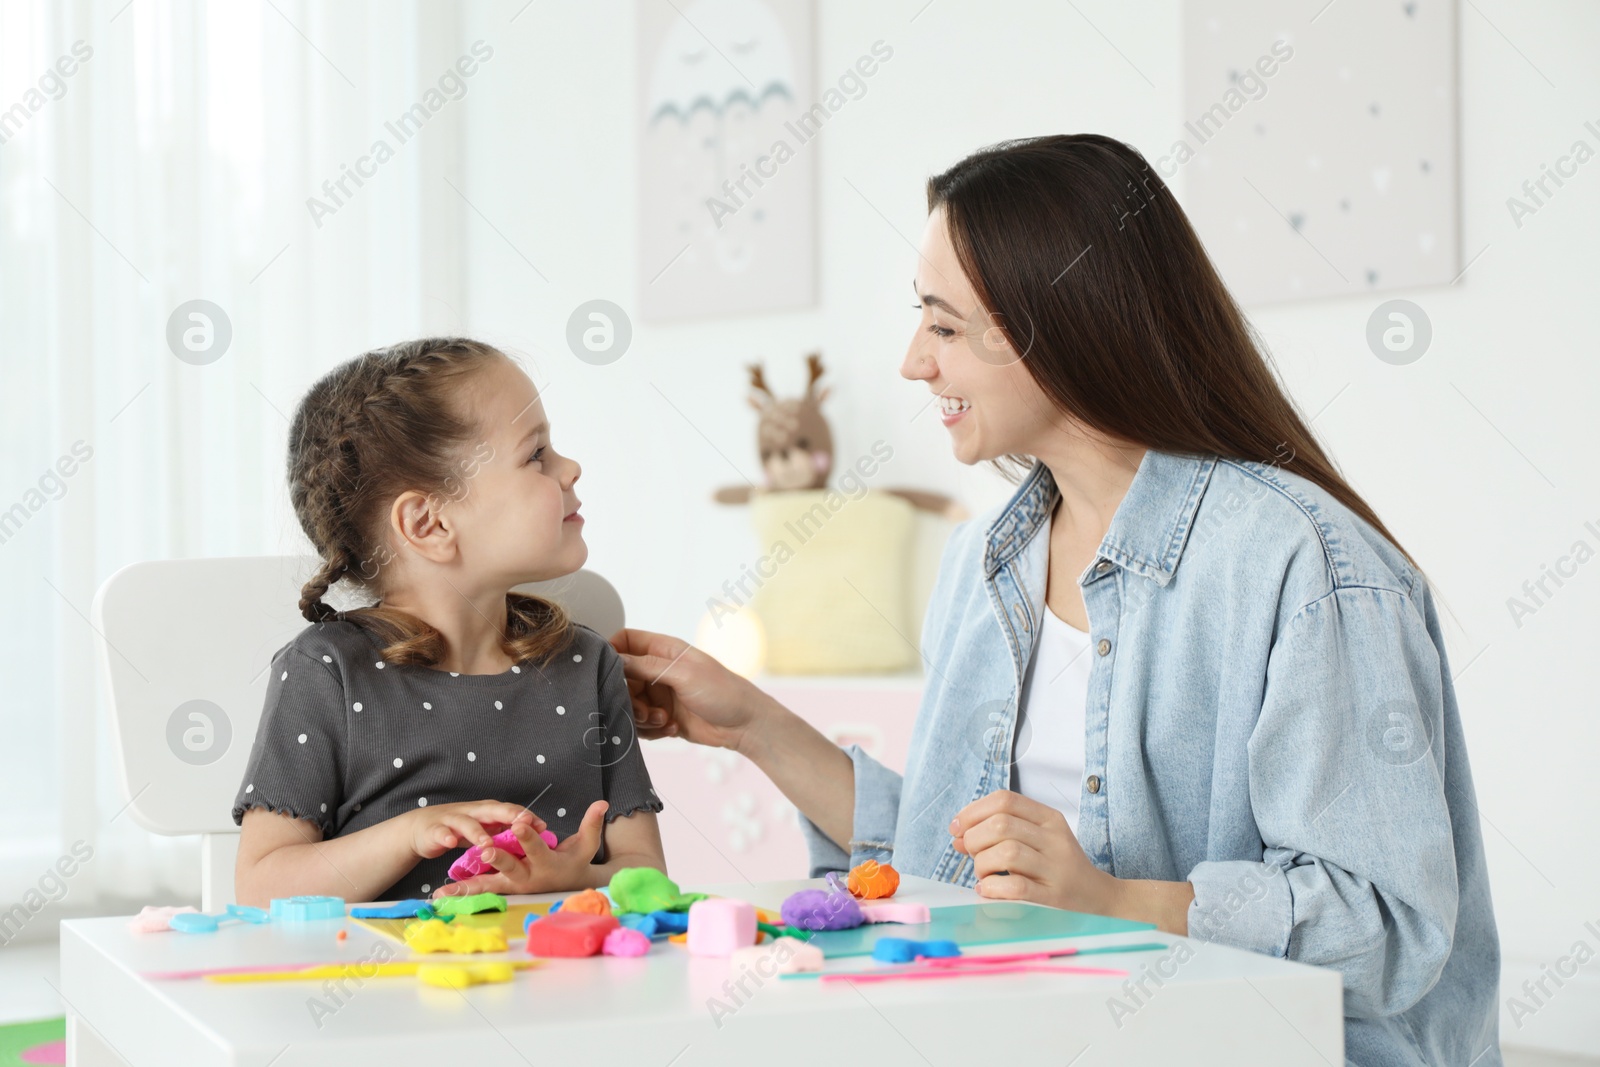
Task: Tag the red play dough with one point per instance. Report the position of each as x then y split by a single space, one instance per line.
569 933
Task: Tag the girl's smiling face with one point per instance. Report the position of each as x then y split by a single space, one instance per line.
518 518
986 397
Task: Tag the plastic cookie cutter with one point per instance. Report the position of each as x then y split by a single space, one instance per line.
306 909
195 922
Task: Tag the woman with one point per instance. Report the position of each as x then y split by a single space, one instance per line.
1258 743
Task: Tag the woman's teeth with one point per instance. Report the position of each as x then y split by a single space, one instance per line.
953 405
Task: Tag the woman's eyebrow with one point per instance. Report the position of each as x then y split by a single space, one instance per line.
934 301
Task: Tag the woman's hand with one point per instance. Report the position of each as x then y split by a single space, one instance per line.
541 869
438 829
680 691
1024 850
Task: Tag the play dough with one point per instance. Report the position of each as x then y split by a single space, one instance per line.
432 935
719 927
470 905
872 880
471 861
588 902
570 933
895 912
640 890
822 909
904 950
625 942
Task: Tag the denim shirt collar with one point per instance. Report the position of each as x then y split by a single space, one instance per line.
1148 532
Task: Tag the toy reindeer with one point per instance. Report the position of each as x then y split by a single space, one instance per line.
796 445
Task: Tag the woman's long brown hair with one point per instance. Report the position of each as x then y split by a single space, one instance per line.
1078 250
389 421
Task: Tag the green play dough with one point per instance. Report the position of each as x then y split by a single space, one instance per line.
641 890
452 906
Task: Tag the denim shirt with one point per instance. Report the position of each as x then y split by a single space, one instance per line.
1270 717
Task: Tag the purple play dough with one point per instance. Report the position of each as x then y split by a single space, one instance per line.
822 909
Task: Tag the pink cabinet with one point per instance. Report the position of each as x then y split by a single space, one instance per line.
726 822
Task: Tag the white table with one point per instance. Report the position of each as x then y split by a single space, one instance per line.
1217 1006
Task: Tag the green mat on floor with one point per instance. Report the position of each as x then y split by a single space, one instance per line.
18 1036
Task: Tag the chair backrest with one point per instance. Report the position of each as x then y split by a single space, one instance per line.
184 646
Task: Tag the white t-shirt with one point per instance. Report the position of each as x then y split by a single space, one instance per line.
1047 756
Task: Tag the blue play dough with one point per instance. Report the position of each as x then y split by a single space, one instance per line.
904 950
671 922
404 909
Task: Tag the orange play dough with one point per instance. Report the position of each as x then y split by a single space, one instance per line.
873 880
588 902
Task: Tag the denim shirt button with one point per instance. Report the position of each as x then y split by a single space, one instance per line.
1093 783
1104 647
1103 566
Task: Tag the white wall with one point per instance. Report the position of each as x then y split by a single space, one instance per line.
1480 457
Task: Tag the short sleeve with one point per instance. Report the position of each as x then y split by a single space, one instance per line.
623 775
296 762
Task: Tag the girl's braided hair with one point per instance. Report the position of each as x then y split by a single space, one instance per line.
374 427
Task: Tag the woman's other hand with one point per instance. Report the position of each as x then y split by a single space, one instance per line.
680 691
1024 850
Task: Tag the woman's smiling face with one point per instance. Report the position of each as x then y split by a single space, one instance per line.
987 399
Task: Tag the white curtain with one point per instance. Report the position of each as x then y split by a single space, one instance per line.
174 163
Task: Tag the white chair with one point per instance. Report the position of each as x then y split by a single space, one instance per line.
184 646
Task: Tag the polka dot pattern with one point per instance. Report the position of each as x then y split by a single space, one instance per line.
301 739
426 706
422 802
327 659
471 756
398 761
540 757
357 705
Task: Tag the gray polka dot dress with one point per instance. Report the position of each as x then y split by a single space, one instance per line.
347 741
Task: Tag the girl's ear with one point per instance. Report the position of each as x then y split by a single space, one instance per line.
420 521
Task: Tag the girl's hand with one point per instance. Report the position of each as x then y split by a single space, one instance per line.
1024 850
680 691
438 829
543 869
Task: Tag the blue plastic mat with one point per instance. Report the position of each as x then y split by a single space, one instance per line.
976 924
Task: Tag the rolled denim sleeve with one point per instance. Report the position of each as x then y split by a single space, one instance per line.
1346 784
877 808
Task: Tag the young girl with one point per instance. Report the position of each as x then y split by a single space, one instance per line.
425 477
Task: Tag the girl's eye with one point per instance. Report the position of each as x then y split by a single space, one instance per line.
538 455
941 331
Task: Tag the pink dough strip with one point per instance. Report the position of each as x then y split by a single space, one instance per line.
970 972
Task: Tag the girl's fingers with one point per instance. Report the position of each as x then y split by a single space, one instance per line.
587 839
495 811
466 827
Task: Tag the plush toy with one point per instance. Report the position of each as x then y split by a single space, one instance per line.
796 446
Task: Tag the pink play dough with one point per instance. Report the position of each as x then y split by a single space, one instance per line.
471 862
153 919
625 942
721 925
49 1052
891 912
